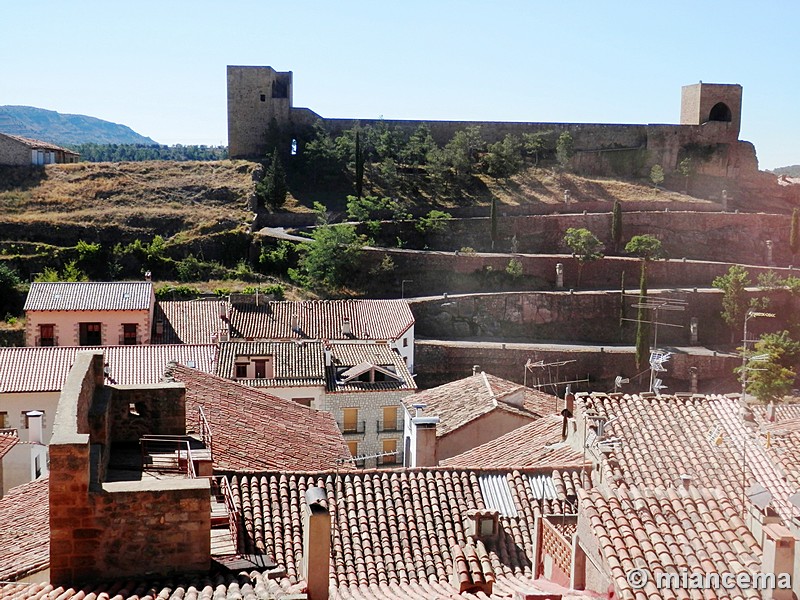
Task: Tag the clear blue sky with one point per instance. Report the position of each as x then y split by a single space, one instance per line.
159 67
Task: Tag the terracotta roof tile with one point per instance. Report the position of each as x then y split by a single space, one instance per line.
44 369
187 321
7 442
252 429
39 144
116 295
381 355
533 445
321 319
25 531
459 402
297 363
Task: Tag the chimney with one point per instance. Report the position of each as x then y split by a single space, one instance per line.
686 481
295 323
569 403
771 412
424 441
223 311
159 327
327 350
316 543
347 331
476 369
778 556
35 435
148 276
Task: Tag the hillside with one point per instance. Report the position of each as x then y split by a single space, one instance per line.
791 171
62 129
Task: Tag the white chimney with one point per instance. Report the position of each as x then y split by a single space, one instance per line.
35 435
328 352
148 276
295 323
346 329
476 369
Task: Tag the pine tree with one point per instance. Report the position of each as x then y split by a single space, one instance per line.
272 190
359 160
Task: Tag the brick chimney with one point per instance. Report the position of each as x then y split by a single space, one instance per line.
316 543
35 434
778 556
425 441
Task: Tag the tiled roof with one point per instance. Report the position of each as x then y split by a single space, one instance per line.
394 531
784 446
662 438
116 295
380 355
321 319
38 144
670 530
44 369
24 531
533 445
7 442
296 363
187 321
459 402
252 429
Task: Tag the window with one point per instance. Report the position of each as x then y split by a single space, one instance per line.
389 446
405 342
24 419
261 369
47 335
4 424
350 424
37 466
353 447
263 97
389 419
129 334
304 401
241 370
90 334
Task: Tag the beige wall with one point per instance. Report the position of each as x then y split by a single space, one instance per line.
19 465
292 393
16 404
13 152
484 429
67 330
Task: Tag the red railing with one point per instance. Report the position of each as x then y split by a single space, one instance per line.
205 431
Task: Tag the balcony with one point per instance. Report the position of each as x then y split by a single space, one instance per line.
395 424
46 341
391 460
125 340
357 427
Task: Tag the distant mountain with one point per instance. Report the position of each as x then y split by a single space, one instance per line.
791 171
64 130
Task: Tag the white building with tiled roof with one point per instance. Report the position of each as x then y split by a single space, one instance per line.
89 313
31 378
20 151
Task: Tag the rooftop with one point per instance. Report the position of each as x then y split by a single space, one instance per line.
252 429
367 367
44 369
187 321
95 296
296 363
321 319
38 144
459 402
531 445
25 533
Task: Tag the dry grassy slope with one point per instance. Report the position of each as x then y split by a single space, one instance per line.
156 197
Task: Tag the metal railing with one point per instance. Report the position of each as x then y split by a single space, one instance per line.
391 458
125 340
46 341
357 427
168 454
395 424
205 431
233 520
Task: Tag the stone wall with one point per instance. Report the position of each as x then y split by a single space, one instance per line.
13 152
442 362
116 529
585 317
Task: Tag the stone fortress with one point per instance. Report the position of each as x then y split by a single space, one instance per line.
710 120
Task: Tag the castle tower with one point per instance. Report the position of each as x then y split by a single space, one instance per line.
256 95
712 103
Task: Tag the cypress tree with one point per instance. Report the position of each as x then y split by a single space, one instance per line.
794 234
272 189
642 326
493 216
622 307
359 160
616 225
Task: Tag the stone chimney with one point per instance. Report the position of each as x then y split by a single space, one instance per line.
771 412
35 434
327 350
476 369
148 276
316 543
347 331
425 454
778 557
295 323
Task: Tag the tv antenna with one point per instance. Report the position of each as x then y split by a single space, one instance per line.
546 378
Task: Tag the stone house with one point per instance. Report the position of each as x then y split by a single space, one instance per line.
21 151
89 313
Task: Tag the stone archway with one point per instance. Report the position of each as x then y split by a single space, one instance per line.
720 112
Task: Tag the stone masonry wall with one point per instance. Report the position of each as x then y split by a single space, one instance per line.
370 410
13 152
160 410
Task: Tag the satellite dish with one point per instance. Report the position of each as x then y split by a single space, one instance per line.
759 495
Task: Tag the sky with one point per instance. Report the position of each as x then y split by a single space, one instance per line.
160 67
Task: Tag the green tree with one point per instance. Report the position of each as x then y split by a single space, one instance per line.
9 293
70 272
504 158
434 222
773 378
514 268
535 145
359 162
616 225
734 297
657 175
794 234
565 148
272 190
416 150
686 168
585 247
646 247
462 151
330 260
